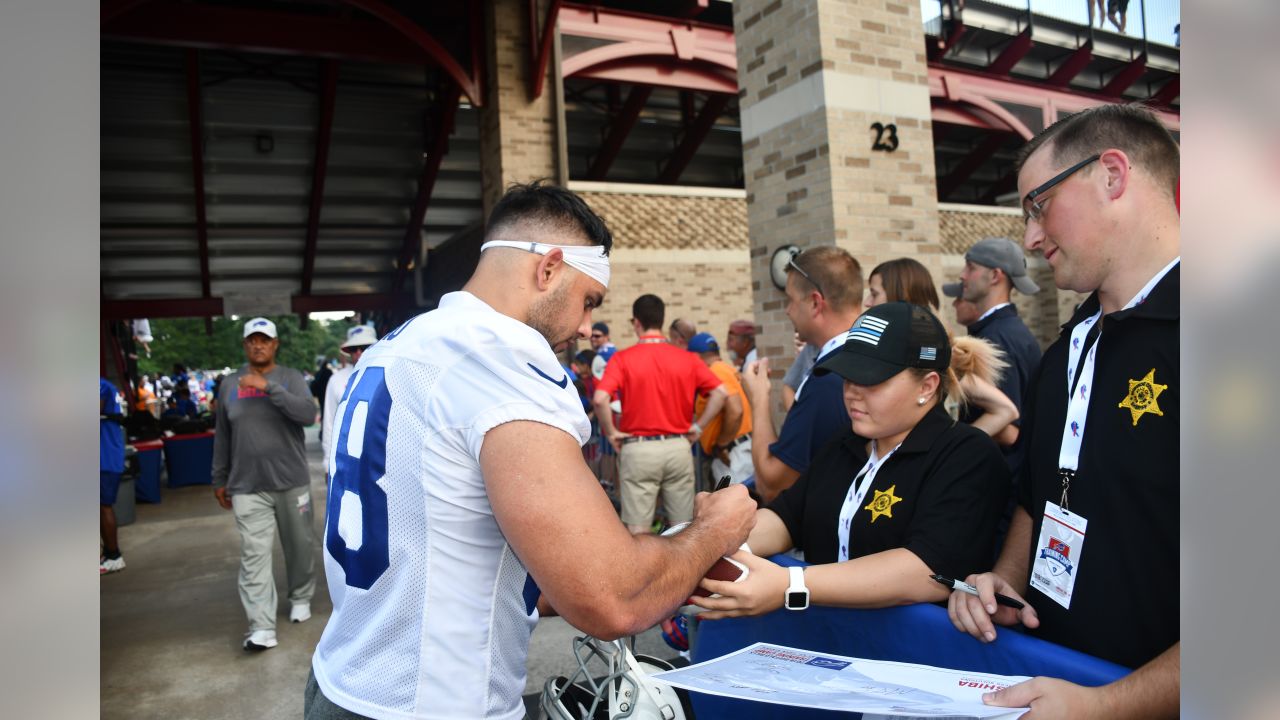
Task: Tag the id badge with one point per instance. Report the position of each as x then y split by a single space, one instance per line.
1057 560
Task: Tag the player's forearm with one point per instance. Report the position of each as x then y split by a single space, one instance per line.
1151 691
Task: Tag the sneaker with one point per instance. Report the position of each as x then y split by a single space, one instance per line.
301 612
260 640
109 565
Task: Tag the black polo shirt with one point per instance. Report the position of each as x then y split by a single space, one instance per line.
949 485
1004 329
1124 607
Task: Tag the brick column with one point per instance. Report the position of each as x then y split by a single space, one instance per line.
814 76
517 136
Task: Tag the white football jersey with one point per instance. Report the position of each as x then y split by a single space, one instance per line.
432 611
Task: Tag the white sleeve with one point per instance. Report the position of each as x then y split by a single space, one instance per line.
513 391
332 396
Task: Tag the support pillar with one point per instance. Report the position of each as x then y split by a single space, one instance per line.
517 135
814 77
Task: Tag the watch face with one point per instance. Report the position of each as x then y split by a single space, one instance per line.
797 600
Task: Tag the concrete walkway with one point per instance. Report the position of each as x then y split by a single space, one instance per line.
172 624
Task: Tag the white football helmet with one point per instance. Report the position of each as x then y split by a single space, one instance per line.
619 689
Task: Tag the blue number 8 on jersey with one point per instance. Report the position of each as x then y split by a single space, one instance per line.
356 523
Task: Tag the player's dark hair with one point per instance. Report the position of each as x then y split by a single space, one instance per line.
541 203
650 311
1130 128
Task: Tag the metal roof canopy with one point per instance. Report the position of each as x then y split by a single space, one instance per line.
295 153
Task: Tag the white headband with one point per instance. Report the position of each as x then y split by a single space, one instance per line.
590 260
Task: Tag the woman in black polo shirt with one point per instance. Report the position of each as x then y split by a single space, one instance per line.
904 493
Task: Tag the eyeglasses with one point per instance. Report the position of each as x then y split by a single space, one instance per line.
1032 208
791 264
595 336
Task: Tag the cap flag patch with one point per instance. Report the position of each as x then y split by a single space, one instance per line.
868 329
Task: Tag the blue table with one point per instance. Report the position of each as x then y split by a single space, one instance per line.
913 633
189 459
150 455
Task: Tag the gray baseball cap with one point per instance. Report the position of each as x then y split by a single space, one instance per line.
1006 255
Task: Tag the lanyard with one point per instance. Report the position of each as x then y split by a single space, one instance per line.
857 493
829 346
1085 339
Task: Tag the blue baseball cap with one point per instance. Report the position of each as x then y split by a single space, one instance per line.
703 342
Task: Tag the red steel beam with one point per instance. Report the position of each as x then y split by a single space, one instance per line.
1012 53
324 131
213 307
266 31
972 162
303 304
1075 63
195 127
618 132
693 138
1169 92
422 39
426 184
161 307
540 51
1126 77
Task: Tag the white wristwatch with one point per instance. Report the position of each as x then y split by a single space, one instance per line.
797 597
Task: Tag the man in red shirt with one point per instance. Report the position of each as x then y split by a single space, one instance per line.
657 383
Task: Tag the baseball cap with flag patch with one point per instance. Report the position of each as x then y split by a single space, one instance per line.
886 340
260 325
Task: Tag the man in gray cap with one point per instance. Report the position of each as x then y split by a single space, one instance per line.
993 268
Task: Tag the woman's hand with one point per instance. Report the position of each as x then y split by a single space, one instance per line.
761 592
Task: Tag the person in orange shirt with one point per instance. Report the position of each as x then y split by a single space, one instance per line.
146 400
727 439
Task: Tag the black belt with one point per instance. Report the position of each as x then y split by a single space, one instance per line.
644 438
741 439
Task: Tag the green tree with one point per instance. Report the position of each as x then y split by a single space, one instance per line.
183 340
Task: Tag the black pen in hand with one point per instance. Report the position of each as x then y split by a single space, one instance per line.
966 587
723 483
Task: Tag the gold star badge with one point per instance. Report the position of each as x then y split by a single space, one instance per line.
1143 396
883 503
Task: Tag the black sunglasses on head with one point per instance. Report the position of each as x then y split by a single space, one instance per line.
792 265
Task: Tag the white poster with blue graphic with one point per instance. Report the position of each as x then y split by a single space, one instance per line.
787 676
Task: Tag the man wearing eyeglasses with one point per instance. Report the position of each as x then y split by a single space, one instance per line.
824 297
1102 423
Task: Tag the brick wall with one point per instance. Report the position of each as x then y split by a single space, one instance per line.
689 250
692 251
517 137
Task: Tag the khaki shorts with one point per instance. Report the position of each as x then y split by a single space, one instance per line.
645 468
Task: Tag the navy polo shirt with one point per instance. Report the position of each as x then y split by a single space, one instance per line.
816 417
1004 329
